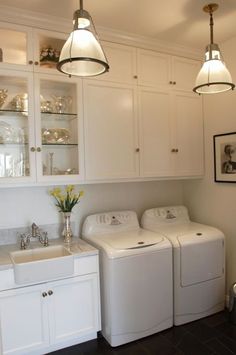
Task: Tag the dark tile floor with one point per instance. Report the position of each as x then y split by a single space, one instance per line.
213 335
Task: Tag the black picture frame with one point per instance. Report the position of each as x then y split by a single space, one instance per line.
225 157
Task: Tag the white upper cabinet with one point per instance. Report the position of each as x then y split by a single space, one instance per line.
16 47
166 71
188 139
24 48
184 73
171 133
111 147
154 69
154 134
122 62
41 128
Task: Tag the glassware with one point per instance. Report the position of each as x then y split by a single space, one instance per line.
61 103
3 96
20 102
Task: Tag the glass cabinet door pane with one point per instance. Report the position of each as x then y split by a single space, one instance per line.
59 128
14 127
13 46
47 49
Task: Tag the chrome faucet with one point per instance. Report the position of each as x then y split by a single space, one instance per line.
35 233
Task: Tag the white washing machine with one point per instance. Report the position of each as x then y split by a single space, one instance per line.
136 276
198 259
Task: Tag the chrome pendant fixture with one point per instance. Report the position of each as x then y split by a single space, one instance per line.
213 77
82 54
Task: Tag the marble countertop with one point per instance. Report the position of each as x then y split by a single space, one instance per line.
78 248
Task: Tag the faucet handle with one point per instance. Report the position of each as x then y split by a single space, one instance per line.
23 241
45 239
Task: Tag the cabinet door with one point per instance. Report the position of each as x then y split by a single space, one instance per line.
184 73
188 134
73 308
59 128
110 131
24 320
16 47
153 68
47 48
155 139
122 62
17 161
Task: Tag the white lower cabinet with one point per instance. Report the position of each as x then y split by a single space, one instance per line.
42 318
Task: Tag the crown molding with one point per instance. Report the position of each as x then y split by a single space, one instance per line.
52 23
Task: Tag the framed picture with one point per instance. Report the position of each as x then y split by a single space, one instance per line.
225 157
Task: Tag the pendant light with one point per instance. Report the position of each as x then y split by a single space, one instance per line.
82 54
213 77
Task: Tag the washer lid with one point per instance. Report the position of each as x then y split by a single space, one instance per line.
129 243
133 240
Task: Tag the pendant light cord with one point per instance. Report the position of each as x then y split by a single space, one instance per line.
211 27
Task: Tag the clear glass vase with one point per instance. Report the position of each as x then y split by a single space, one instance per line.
67 232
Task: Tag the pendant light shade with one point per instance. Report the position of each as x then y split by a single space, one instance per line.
82 54
213 77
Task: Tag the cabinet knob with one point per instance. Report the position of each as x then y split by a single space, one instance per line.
135 76
170 82
32 149
50 292
137 150
36 63
38 149
172 150
44 294
176 150
30 62
174 82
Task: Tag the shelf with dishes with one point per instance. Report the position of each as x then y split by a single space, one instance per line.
9 144
13 111
61 144
55 116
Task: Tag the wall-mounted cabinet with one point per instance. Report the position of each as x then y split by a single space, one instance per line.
25 48
145 131
41 128
110 131
164 71
141 118
122 62
171 133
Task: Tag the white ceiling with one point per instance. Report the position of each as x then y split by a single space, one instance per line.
178 21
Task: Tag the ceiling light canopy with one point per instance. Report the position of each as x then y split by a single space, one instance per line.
82 54
213 77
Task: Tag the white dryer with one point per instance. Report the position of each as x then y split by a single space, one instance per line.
198 259
136 276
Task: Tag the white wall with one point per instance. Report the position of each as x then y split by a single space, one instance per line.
19 207
210 202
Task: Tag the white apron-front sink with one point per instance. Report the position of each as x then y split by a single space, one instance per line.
42 264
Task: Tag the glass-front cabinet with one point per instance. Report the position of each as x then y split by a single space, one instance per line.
16 126
59 140
25 48
40 128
